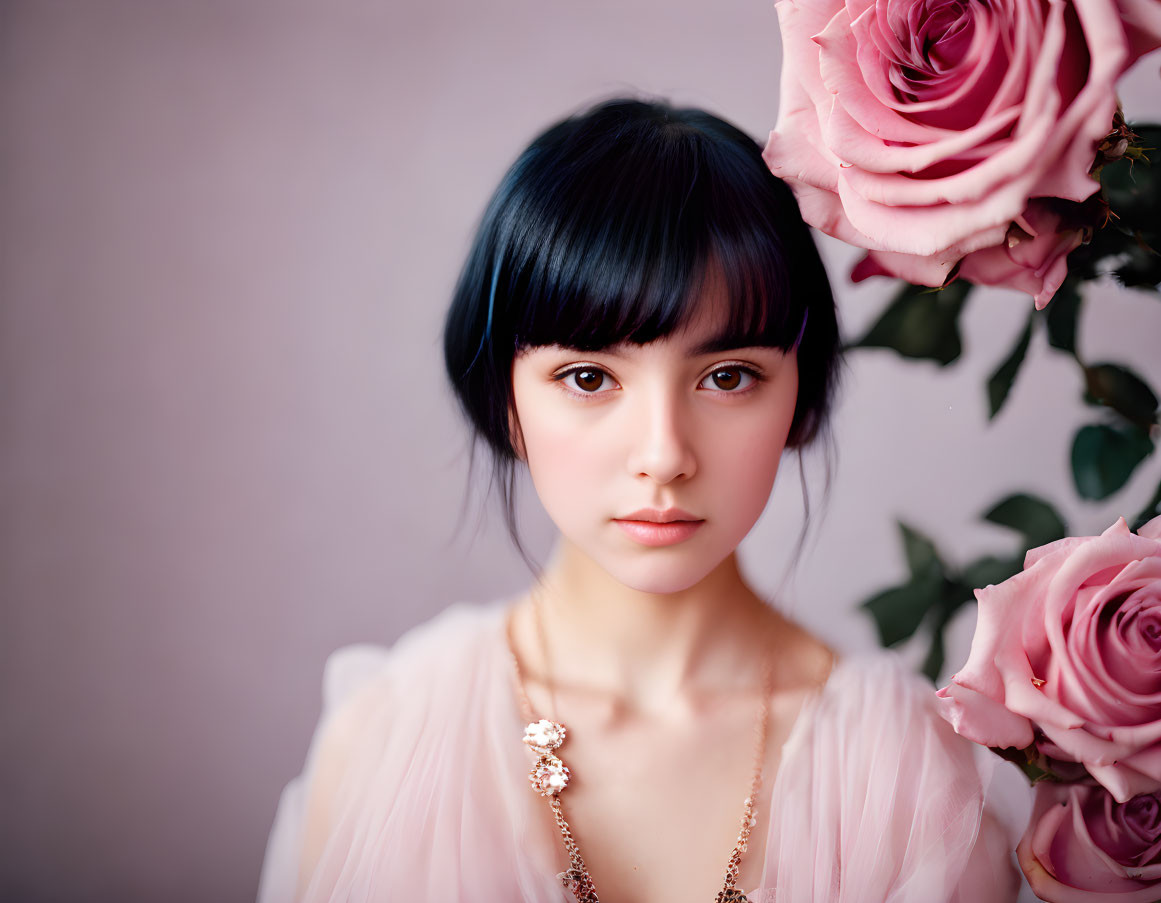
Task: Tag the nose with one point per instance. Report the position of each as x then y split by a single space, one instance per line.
660 432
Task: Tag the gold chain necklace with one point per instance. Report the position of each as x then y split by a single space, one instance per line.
549 776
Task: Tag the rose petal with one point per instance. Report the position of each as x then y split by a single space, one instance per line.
1151 530
982 720
1142 22
1122 781
915 268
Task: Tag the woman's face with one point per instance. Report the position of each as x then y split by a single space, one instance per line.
662 426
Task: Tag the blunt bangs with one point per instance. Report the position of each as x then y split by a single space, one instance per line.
624 246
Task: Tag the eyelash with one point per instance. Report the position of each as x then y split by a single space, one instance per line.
559 379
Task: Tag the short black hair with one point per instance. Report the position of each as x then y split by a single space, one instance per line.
605 230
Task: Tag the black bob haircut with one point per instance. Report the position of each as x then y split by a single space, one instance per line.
605 230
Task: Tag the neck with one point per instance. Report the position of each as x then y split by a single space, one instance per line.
646 649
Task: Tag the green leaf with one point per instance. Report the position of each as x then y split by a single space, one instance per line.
953 596
922 557
956 593
899 611
1033 518
1151 510
936 655
1061 316
1141 267
1000 382
990 570
1123 391
1104 457
921 323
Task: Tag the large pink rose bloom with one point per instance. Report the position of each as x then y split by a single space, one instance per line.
1082 846
1068 653
922 128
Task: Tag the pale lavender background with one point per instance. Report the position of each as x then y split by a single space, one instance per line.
228 232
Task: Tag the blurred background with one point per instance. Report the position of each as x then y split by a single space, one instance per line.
228 234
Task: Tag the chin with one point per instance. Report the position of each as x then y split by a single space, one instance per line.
662 576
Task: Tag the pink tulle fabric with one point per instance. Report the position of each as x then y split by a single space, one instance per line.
415 788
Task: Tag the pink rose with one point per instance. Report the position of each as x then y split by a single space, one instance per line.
922 128
1067 653
1142 20
1033 257
1082 846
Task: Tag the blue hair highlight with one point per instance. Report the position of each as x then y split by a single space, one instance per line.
486 338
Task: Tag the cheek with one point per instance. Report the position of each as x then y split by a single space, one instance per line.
565 463
742 466
562 469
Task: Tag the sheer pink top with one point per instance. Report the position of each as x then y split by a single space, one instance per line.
416 788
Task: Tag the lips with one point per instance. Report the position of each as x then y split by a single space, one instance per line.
658 516
657 527
652 533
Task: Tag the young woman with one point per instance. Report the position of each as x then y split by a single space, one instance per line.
643 321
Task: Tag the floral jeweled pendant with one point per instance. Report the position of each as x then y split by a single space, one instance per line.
733 895
549 775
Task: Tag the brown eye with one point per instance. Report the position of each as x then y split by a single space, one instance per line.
734 380
727 379
589 380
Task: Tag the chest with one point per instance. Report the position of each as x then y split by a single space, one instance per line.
656 811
